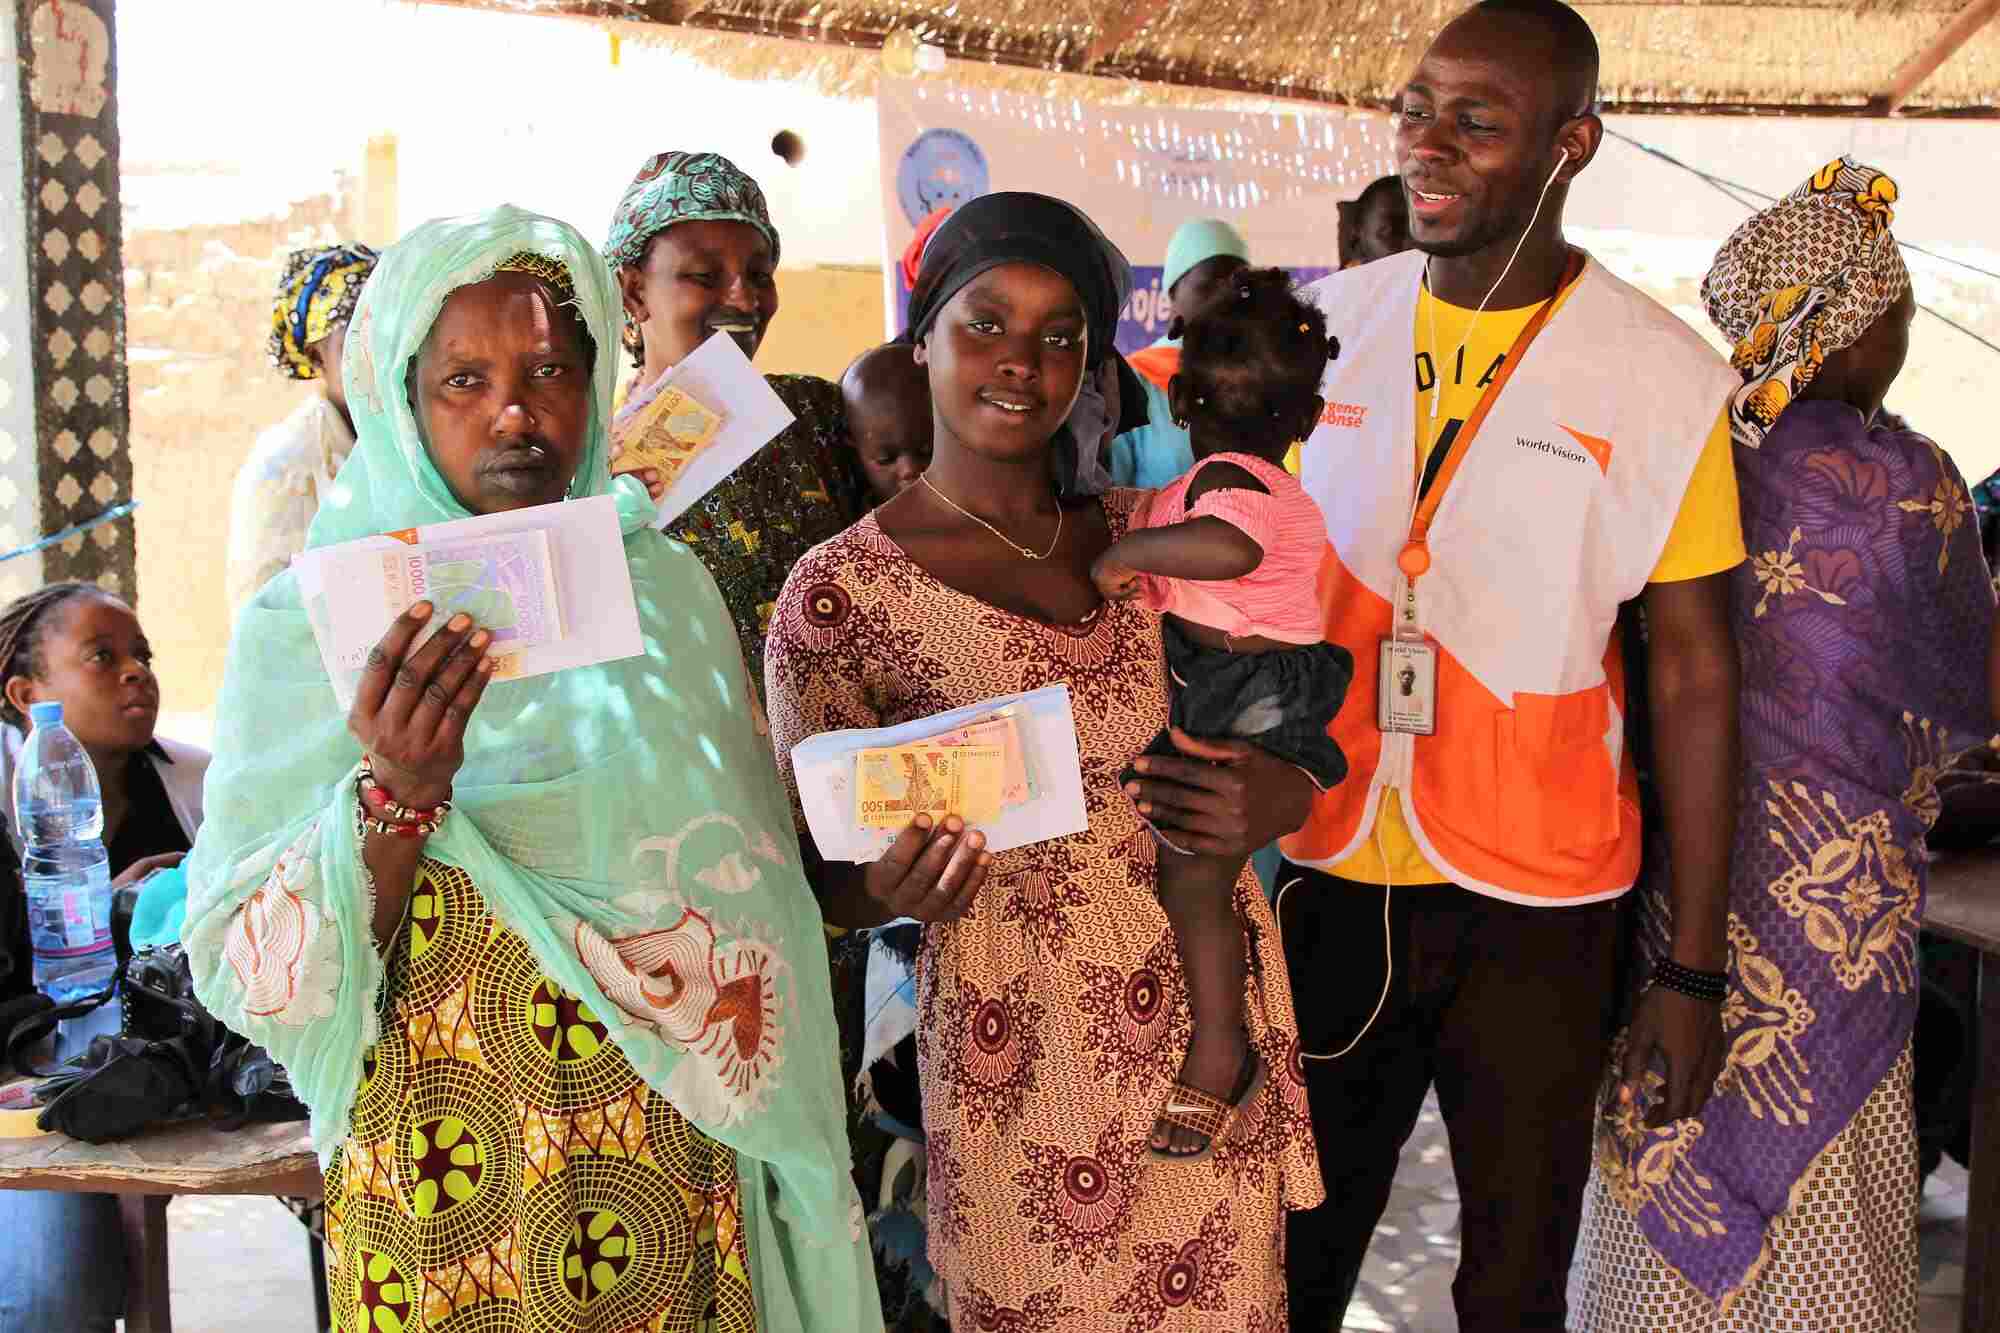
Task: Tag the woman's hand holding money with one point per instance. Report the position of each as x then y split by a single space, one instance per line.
930 873
656 485
409 714
411 709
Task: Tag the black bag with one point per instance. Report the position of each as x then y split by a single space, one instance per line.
118 1087
173 1061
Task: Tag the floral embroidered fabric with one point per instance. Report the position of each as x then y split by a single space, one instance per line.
1842 1257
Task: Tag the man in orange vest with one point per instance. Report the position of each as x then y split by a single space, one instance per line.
1449 912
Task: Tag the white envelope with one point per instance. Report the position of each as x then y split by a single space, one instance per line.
600 615
721 378
824 766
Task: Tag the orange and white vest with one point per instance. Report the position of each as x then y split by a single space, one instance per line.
1559 512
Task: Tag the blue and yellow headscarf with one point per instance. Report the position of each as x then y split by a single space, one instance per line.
684 187
317 290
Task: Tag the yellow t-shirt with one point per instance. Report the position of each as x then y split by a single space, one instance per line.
1707 536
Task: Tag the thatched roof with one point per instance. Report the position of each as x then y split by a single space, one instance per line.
1828 56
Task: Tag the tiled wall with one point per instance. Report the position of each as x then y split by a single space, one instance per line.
69 233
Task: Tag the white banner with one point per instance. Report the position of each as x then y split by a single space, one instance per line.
1139 172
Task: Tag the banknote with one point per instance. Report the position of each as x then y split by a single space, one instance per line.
669 431
552 583
893 786
1000 727
505 583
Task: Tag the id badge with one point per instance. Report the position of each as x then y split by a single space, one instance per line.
1406 688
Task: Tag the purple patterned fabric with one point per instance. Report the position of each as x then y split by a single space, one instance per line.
1862 620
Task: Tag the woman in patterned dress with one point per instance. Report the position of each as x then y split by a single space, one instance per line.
566 1047
1788 1204
1052 1009
696 254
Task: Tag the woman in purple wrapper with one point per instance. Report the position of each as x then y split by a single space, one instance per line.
1863 620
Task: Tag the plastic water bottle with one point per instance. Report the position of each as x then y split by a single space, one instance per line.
64 870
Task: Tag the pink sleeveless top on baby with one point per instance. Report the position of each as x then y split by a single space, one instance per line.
1278 599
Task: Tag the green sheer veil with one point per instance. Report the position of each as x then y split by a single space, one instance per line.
624 820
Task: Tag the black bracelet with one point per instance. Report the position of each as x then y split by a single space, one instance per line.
1710 986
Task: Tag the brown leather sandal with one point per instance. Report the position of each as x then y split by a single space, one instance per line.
1206 1114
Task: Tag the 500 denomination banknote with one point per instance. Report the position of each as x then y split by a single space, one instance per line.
1000 727
893 786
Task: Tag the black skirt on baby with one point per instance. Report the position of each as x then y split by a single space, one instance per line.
1281 701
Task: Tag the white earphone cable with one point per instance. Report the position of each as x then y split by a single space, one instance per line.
1437 371
1388 944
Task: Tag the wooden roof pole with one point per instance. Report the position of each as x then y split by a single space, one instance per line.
1131 19
1963 26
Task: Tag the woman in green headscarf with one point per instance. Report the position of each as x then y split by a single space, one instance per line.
695 254
566 1045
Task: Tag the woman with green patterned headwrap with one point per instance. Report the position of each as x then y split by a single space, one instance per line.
695 254
563 1032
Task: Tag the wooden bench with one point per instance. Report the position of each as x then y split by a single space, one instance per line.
145 1172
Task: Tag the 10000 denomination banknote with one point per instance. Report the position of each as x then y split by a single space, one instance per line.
893 786
503 583
506 584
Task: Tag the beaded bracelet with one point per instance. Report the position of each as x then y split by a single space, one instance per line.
1712 987
377 798
422 828
384 806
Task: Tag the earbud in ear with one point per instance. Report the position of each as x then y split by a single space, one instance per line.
1332 348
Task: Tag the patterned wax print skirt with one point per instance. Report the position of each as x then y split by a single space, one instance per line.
507 1171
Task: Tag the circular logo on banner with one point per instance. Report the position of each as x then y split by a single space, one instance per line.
941 169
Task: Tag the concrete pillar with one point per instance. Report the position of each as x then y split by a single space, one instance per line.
65 453
378 205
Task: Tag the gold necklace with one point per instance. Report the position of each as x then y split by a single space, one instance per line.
1028 552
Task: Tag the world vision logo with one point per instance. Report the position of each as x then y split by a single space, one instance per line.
1598 448
1350 415
1595 450
1562 451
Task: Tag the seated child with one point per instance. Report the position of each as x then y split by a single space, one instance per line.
1231 551
76 643
888 400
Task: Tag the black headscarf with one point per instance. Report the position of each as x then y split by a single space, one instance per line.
1021 228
